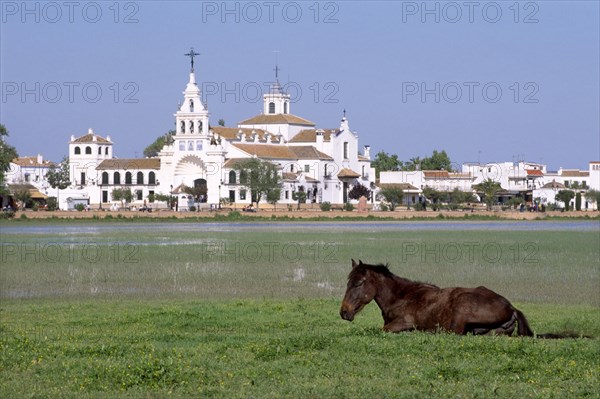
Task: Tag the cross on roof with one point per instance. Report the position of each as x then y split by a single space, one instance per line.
192 54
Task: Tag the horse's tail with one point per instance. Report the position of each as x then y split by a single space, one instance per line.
523 329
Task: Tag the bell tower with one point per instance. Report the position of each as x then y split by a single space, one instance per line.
191 119
276 101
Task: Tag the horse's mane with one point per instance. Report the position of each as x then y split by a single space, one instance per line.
385 271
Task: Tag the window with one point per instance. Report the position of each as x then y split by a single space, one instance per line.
26 176
181 145
242 195
243 177
77 150
232 177
345 150
140 178
198 145
363 172
152 178
82 178
191 127
88 150
116 178
292 168
104 196
190 145
271 107
106 151
191 105
139 194
325 171
182 127
285 107
128 178
105 178
99 150
306 168
287 194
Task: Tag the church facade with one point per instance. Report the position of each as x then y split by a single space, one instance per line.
323 163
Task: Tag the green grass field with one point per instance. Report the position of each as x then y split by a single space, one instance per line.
230 311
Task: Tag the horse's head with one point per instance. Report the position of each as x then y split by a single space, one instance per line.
360 291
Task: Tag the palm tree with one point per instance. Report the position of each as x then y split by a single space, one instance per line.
489 188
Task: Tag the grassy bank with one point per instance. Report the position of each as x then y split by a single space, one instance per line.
290 348
146 312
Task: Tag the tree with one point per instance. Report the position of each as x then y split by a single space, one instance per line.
458 196
359 191
385 162
259 177
153 149
412 164
489 188
7 154
435 196
578 201
59 177
273 196
196 192
593 196
22 196
392 194
122 194
221 122
565 196
437 161
299 196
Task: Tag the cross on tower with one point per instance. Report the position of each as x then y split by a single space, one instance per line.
277 69
192 54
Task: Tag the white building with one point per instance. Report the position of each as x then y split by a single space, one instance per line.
324 163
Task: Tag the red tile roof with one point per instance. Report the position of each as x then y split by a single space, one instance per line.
276 119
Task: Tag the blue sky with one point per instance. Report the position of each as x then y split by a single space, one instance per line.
488 81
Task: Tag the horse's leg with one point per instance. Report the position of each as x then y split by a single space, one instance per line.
505 328
398 325
508 327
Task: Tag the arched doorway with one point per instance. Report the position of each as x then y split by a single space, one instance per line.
200 190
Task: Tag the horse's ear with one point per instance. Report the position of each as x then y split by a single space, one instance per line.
354 264
360 262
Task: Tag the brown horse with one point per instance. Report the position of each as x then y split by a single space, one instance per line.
410 305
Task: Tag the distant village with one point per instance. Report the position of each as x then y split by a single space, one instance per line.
198 168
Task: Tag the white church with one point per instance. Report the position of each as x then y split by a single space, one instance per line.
324 163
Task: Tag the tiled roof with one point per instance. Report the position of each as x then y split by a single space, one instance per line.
554 184
401 186
534 172
276 119
436 174
232 162
89 138
33 192
444 174
269 151
310 135
345 172
289 176
231 133
574 173
32 161
126 164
